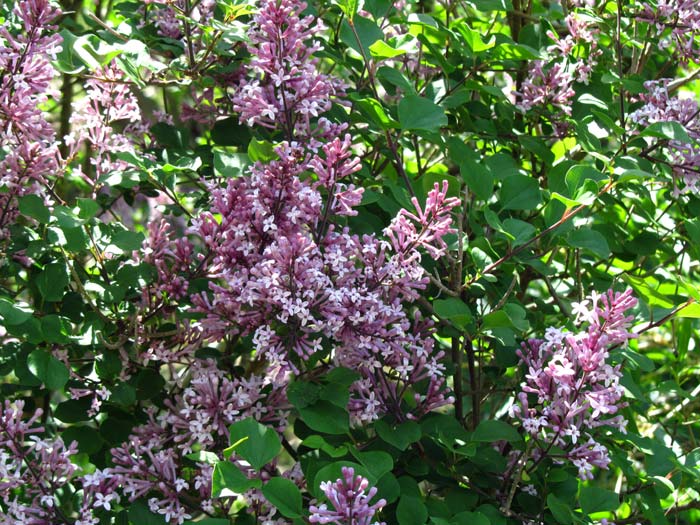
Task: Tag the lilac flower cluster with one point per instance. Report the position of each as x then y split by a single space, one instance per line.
351 505
109 105
570 389
684 158
153 460
551 87
679 20
28 144
300 286
287 90
549 83
31 469
280 268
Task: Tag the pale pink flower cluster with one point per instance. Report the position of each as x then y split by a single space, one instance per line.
105 119
570 389
283 272
32 469
684 157
350 500
28 148
153 460
679 20
549 83
286 89
548 86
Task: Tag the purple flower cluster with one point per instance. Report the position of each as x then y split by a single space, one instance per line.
351 505
28 149
684 158
287 90
570 389
32 469
153 460
549 83
548 87
282 271
108 119
678 20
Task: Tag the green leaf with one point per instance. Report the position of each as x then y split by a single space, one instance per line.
12 313
52 281
33 206
478 177
395 78
470 518
342 376
577 176
594 499
374 110
520 192
229 165
364 30
139 514
261 151
560 510
66 59
228 480
381 49
377 462
520 231
49 370
285 496
401 435
411 511
317 442
493 430
257 444
324 416
473 38
419 113
590 240
455 310
689 311
88 439
127 240
88 208
648 290
302 394
667 130
349 7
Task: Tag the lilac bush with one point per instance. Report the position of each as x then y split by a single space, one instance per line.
378 263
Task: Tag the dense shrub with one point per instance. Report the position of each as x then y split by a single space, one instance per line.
349 262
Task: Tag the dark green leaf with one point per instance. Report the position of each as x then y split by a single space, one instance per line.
419 113
52 281
594 499
494 430
52 372
326 417
411 511
520 192
33 206
401 435
228 480
285 496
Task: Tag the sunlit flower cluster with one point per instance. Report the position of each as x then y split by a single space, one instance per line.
570 387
